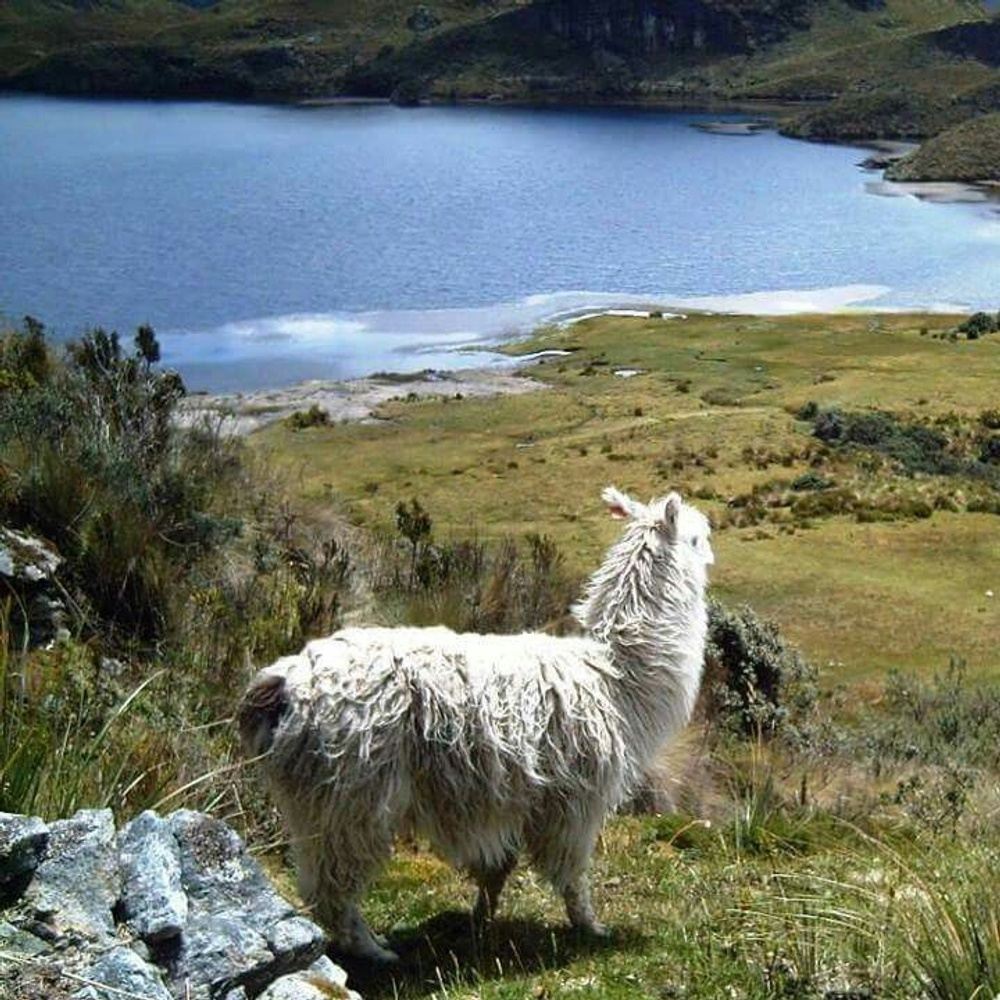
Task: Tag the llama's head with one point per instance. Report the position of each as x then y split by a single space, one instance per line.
661 560
667 528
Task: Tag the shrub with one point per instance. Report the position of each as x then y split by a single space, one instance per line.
758 684
915 447
990 449
811 481
315 416
977 325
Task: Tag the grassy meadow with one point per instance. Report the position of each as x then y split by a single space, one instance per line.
844 843
713 413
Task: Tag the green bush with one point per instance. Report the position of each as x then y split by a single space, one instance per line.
977 325
315 416
811 480
915 447
757 683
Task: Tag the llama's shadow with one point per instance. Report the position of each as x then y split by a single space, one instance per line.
447 949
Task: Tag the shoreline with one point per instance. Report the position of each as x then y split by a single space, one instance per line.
357 400
350 400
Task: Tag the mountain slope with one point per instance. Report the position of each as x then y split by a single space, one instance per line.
635 48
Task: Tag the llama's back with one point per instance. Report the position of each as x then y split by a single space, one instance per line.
459 731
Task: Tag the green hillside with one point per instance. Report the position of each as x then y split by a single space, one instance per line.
554 49
967 152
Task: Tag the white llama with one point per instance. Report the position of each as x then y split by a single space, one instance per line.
485 744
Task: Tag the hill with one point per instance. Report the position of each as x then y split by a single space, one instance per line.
966 152
543 50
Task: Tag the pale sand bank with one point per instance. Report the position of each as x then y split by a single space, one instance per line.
355 400
940 192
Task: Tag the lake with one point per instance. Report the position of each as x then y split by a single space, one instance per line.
267 243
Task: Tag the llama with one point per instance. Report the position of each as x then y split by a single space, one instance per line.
486 745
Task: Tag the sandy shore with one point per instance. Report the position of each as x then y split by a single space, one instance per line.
942 192
355 400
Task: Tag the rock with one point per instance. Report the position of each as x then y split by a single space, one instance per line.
219 876
422 19
321 980
23 840
152 899
173 907
217 954
19 943
76 887
28 567
122 971
26 559
240 932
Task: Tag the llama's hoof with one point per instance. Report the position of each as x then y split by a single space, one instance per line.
594 929
376 953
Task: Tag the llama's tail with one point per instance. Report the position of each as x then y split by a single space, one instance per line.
261 709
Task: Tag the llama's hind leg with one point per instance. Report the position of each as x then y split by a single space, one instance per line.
491 880
334 872
561 843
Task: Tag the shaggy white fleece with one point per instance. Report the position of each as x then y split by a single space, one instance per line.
485 744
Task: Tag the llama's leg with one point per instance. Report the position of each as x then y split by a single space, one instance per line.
491 882
333 875
561 843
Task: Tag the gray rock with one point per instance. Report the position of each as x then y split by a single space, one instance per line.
23 840
152 899
217 954
24 558
239 931
75 888
19 943
218 874
198 918
295 941
322 979
122 971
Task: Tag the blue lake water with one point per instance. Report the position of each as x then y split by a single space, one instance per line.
267 244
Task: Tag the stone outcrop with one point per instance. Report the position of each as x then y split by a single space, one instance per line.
168 907
28 568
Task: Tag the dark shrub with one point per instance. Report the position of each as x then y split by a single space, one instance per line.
315 416
758 684
811 480
977 325
990 450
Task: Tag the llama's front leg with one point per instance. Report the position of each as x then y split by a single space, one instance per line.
491 881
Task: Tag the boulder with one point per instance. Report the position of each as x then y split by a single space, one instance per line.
170 907
28 567
153 901
123 972
23 841
76 886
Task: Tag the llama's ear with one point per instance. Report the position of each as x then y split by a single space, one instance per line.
620 505
671 508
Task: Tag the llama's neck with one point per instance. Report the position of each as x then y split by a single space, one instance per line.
649 609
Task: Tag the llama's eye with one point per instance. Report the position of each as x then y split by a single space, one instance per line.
694 541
